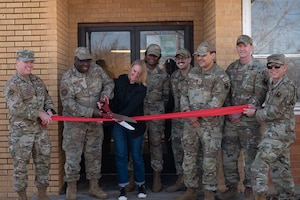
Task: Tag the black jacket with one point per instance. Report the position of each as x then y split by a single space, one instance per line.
129 100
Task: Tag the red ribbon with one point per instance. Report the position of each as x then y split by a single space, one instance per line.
195 113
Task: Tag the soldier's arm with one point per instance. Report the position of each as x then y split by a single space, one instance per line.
48 104
260 88
284 99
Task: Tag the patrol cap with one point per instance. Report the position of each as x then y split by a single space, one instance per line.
276 58
183 52
24 55
153 49
244 39
205 47
82 53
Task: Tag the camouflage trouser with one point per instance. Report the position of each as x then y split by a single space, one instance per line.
208 138
24 145
178 153
273 154
176 136
155 129
236 138
83 138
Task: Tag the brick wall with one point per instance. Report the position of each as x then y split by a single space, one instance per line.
49 27
32 25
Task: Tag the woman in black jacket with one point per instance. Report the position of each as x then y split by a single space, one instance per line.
129 93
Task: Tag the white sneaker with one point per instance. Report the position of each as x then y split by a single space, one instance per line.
142 192
122 195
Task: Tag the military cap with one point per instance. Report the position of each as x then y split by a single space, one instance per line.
205 47
82 53
183 52
276 58
244 39
153 49
24 55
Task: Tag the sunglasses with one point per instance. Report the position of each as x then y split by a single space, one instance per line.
276 66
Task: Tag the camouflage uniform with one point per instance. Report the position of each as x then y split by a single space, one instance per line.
25 97
177 124
248 85
273 152
202 90
79 94
154 103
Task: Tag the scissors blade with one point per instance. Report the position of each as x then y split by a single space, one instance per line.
126 125
124 118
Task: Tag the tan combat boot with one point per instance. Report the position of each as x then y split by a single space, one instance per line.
156 187
248 194
131 186
41 193
209 195
190 194
178 185
228 194
22 195
71 193
95 190
260 197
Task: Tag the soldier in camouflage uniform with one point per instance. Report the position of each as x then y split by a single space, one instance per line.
29 105
205 87
277 113
154 103
183 62
248 85
80 90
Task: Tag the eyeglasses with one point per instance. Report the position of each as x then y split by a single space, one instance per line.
276 66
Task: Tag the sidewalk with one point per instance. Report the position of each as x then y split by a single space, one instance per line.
109 185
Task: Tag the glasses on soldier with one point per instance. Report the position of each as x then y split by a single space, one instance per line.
276 65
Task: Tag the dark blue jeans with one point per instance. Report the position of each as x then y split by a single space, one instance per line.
124 143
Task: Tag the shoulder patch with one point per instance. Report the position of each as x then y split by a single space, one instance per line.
64 92
11 93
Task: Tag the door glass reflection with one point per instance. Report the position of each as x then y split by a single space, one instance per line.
111 50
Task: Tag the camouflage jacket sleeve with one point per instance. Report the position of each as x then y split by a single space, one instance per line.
280 102
184 100
48 103
260 86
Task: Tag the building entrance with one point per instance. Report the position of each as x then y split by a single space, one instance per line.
114 46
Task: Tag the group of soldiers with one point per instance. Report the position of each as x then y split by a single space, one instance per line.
196 141
270 97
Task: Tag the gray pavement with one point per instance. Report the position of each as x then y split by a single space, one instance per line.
109 184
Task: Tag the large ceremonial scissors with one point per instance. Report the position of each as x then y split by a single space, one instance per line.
120 119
